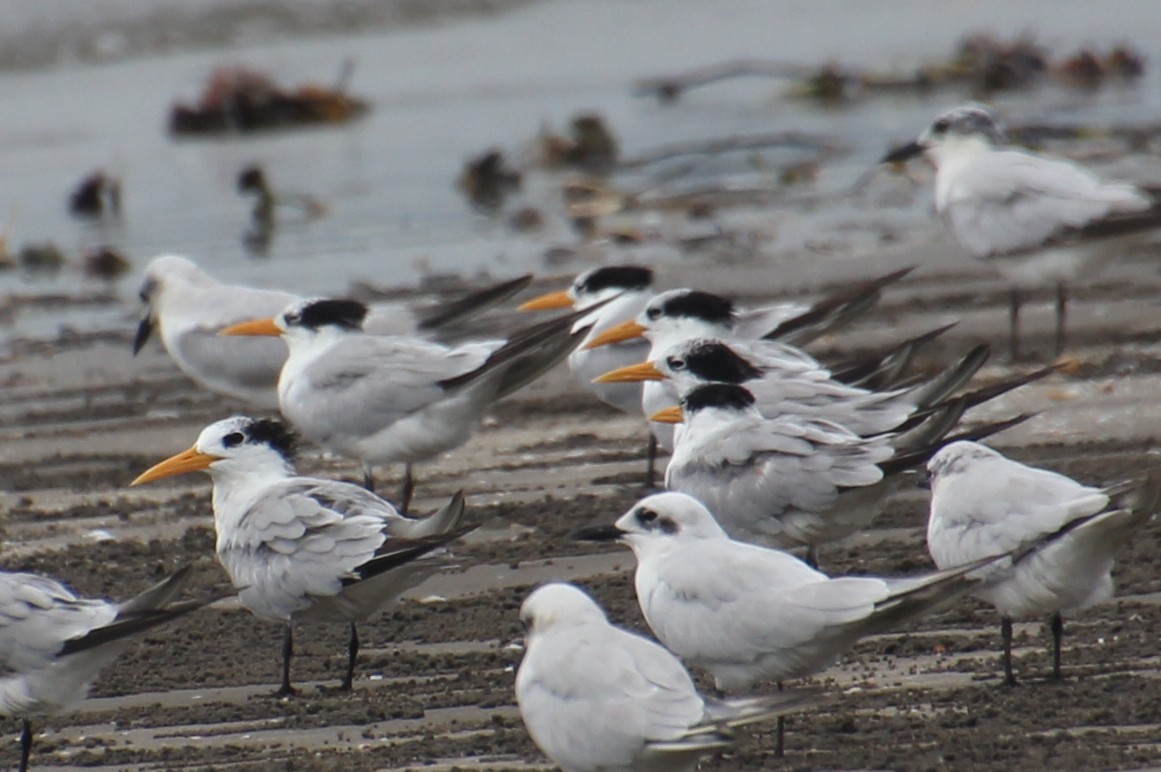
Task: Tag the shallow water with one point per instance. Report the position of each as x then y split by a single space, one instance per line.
445 90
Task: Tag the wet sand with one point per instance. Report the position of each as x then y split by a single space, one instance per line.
434 685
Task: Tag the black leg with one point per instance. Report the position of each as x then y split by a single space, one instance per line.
348 683
780 738
368 478
286 690
1057 636
408 489
25 745
1006 634
651 461
1061 314
1014 323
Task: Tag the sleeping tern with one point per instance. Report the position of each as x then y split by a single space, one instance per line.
382 399
53 643
985 504
596 698
1036 220
302 549
188 307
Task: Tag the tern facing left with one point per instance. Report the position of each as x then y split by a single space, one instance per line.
1037 220
396 399
302 549
985 504
596 698
53 644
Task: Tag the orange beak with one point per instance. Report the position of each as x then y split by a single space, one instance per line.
254 327
547 302
669 415
191 460
631 374
616 334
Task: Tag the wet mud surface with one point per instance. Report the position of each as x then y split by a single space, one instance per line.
434 686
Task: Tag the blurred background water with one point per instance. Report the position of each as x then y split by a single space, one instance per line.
89 85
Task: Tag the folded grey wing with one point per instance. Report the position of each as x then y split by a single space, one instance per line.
231 364
1012 201
38 615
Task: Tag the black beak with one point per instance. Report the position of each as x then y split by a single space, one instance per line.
598 533
903 153
144 330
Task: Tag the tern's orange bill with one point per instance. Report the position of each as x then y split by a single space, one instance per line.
632 374
191 460
253 327
669 415
547 302
616 334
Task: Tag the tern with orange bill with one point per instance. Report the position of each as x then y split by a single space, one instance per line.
382 399
303 549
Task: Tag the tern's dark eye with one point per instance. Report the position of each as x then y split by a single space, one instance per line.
233 439
646 516
293 318
144 296
941 126
675 363
653 313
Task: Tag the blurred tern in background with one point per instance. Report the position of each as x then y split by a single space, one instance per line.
596 698
985 504
384 399
794 481
188 307
747 613
53 644
1037 220
302 549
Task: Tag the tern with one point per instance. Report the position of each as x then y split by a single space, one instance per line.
382 399
985 504
1037 220
53 643
302 549
596 698
188 307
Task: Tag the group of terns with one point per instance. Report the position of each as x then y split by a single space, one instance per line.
771 450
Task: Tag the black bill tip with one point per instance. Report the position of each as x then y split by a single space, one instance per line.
903 153
144 330
598 533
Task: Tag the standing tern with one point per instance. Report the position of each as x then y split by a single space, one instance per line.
596 698
53 644
384 399
188 307
748 613
1037 220
302 549
985 504
793 481
624 290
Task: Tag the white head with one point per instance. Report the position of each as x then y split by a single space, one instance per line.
307 320
165 278
966 129
558 605
685 313
956 459
237 447
660 522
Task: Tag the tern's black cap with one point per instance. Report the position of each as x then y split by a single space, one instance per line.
713 360
721 395
275 433
622 277
697 304
348 314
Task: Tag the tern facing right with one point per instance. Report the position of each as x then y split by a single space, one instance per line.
301 549
596 698
985 504
1037 220
53 644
